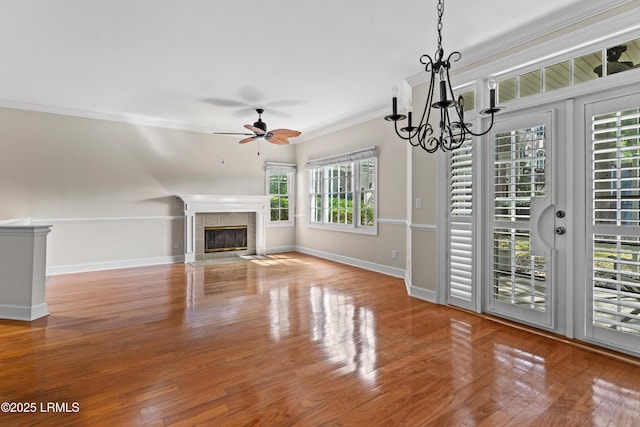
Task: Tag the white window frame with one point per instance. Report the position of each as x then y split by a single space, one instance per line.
320 167
290 171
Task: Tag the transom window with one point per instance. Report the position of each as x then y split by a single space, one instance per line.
603 62
343 191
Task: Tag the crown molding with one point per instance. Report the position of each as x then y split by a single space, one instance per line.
334 126
112 117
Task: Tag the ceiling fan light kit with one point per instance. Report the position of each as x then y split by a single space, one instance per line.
453 129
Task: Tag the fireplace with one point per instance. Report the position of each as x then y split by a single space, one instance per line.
225 238
202 211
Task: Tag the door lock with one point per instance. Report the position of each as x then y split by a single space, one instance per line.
560 214
560 230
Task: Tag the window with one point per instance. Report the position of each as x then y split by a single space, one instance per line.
343 191
280 184
613 59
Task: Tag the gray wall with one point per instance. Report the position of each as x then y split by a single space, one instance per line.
371 251
109 188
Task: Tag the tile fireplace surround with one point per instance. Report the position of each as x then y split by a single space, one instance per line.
194 204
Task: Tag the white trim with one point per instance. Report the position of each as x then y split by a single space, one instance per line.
328 127
280 249
39 221
367 265
113 265
361 154
372 231
25 230
391 221
100 115
420 293
277 165
423 227
26 313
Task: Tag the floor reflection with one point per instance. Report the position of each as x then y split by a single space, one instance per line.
279 312
347 332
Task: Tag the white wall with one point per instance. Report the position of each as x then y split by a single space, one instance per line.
109 188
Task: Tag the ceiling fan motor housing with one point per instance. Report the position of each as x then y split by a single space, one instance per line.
261 125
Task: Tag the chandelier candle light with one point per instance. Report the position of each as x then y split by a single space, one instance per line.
452 133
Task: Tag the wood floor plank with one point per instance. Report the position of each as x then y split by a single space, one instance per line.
292 340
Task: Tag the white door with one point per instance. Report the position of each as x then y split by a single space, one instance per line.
521 217
611 291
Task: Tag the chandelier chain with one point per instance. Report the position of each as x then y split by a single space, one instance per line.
440 13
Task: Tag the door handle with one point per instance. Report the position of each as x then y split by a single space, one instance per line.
542 226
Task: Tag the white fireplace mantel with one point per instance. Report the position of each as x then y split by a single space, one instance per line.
199 203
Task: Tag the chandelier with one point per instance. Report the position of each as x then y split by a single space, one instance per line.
453 129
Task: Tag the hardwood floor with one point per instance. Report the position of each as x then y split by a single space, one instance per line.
291 340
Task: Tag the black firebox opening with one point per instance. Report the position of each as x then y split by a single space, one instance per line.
225 238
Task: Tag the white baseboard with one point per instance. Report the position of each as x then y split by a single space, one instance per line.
367 265
280 249
113 265
27 313
423 294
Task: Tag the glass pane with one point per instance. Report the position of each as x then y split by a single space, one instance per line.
530 83
616 283
507 90
519 278
469 100
367 204
623 57
557 76
519 172
587 67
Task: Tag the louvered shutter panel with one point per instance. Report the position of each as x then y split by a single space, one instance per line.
616 217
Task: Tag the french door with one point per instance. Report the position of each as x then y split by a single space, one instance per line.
521 212
611 291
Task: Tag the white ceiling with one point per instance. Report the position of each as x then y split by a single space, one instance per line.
204 64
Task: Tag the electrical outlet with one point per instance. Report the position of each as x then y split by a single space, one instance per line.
419 203
394 254
176 244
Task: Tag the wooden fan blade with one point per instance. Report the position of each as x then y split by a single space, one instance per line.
244 141
276 139
287 133
252 128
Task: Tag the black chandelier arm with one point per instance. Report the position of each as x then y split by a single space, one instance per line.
431 144
449 60
460 111
450 140
428 62
467 130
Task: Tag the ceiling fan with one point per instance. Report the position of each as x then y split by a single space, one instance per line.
259 129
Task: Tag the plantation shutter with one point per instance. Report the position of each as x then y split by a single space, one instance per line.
615 221
461 291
